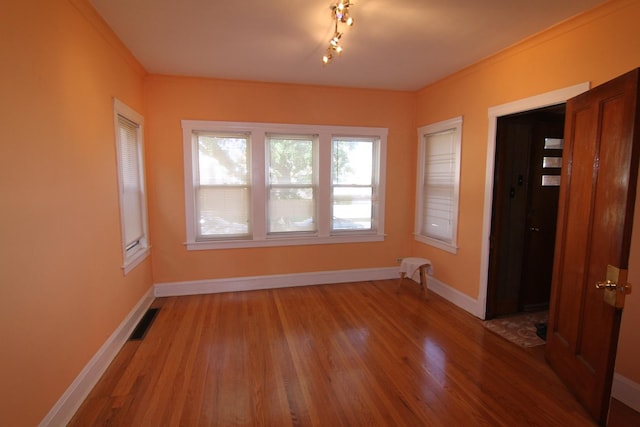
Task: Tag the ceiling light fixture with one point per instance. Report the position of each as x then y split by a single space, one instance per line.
340 15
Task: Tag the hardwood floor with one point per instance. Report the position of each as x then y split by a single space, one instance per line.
349 354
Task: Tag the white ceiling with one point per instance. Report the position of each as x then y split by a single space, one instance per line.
394 44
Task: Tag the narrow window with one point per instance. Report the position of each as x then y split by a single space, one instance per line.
354 189
438 184
291 186
222 186
133 210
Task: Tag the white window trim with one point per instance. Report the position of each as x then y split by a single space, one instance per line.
258 133
133 258
451 124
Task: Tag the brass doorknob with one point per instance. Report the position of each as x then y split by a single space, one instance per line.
607 284
615 286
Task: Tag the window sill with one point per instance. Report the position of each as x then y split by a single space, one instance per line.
437 243
288 241
134 259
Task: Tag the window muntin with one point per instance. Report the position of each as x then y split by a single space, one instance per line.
438 184
222 186
353 183
291 182
289 207
131 183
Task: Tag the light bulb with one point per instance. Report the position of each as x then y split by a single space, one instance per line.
350 21
335 39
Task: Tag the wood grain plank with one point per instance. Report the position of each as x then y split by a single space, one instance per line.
351 354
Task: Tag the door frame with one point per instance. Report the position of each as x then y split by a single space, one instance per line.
532 103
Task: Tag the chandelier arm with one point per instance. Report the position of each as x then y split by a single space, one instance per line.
339 12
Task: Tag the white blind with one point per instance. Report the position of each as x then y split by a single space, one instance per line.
131 191
439 186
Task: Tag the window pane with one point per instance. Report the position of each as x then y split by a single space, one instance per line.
352 194
352 208
439 185
437 218
352 161
223 160
290 161
223 211
222 196
131 197
291 206
291 209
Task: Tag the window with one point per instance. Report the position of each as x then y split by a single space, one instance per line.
262 184
222 185
133 209
438 184
353 183
291 186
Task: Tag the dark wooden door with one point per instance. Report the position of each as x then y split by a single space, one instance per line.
595 216
542 210
513 146
524 211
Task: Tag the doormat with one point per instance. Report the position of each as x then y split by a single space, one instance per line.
520 328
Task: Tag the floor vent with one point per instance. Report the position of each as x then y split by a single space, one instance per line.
143 326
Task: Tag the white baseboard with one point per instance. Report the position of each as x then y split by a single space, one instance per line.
272 282
77 392
252 283
626 391
463 301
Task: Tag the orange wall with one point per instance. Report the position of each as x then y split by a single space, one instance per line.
172 99
62 291
596 46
